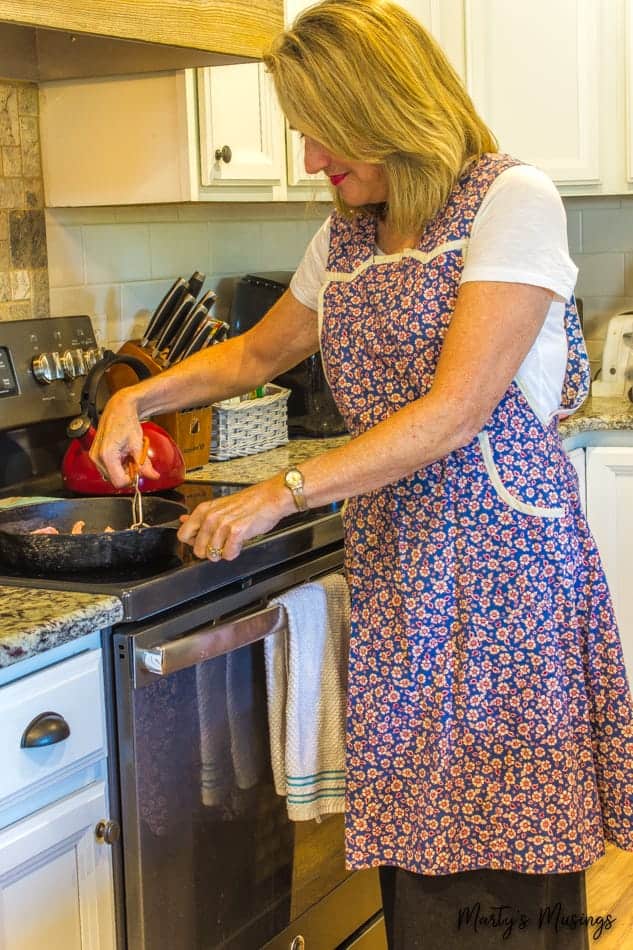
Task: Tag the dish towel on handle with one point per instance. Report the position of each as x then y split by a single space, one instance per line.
306 683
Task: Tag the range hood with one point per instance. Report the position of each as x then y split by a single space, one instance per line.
41 42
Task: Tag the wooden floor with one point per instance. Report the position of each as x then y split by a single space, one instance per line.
610 891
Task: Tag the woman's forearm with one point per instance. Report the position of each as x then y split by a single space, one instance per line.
411 438
215 373
285 336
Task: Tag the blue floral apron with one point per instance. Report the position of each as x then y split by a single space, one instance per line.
490 722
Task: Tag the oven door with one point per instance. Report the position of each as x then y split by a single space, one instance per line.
210 857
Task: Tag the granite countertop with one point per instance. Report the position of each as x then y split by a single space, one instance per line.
263 465
599 414
32 621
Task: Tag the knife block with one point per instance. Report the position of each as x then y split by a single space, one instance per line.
120 375
190 429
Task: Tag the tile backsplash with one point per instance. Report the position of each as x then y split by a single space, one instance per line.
23 263
116 263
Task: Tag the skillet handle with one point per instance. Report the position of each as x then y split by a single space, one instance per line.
164 524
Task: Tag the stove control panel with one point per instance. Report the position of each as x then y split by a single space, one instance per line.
43 363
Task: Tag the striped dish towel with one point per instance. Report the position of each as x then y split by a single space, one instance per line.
306 683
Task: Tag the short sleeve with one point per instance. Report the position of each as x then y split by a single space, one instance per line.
309 276
519 234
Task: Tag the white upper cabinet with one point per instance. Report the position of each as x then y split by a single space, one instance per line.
241 126
628 41
532 71
552 78
153 139
444 19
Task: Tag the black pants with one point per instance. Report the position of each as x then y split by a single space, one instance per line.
484 909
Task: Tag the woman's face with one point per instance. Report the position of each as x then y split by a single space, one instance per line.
358 183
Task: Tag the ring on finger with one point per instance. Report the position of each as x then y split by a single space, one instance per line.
214 554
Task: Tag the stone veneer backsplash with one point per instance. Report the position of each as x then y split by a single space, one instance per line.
24 288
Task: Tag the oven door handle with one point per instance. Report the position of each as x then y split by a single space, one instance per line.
211 641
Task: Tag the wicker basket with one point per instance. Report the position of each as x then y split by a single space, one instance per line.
250 426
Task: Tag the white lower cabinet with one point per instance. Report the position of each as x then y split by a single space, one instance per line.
56 883
610 515
56 878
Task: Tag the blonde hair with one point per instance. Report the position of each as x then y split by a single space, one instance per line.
368 82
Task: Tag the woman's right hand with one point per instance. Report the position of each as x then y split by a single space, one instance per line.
120 437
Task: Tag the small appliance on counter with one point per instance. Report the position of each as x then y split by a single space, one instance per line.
312 411
616 374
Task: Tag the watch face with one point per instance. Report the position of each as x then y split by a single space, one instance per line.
294 479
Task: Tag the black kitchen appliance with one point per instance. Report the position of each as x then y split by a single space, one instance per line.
219 869
311 408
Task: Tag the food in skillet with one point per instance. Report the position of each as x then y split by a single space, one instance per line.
77 528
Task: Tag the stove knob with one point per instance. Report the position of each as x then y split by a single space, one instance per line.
43 368
70 365
79 361
58 369
90 358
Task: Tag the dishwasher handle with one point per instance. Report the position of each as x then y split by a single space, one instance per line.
211 641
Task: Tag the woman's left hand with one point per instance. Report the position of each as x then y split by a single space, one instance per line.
218 529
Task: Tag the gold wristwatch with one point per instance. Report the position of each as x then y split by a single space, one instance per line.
293 480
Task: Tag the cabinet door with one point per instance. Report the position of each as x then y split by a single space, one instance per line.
241 126
610 514
628 52
56 879
532 72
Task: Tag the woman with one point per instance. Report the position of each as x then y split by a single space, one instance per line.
490 737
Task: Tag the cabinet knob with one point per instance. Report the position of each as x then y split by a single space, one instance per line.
108 832
224 154
46 729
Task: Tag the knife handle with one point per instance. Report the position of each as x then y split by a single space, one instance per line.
195 282
173 324
209 299
190 326
164 310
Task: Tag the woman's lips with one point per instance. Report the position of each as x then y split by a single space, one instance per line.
337 179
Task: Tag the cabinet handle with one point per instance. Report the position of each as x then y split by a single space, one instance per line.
46 729
224 154
107 832
298 943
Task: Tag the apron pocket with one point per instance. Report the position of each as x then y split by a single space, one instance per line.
524 507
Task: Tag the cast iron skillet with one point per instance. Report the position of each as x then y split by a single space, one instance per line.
76 553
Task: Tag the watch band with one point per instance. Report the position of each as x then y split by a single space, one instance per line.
293 480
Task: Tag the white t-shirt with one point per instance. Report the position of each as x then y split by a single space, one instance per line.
519 235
